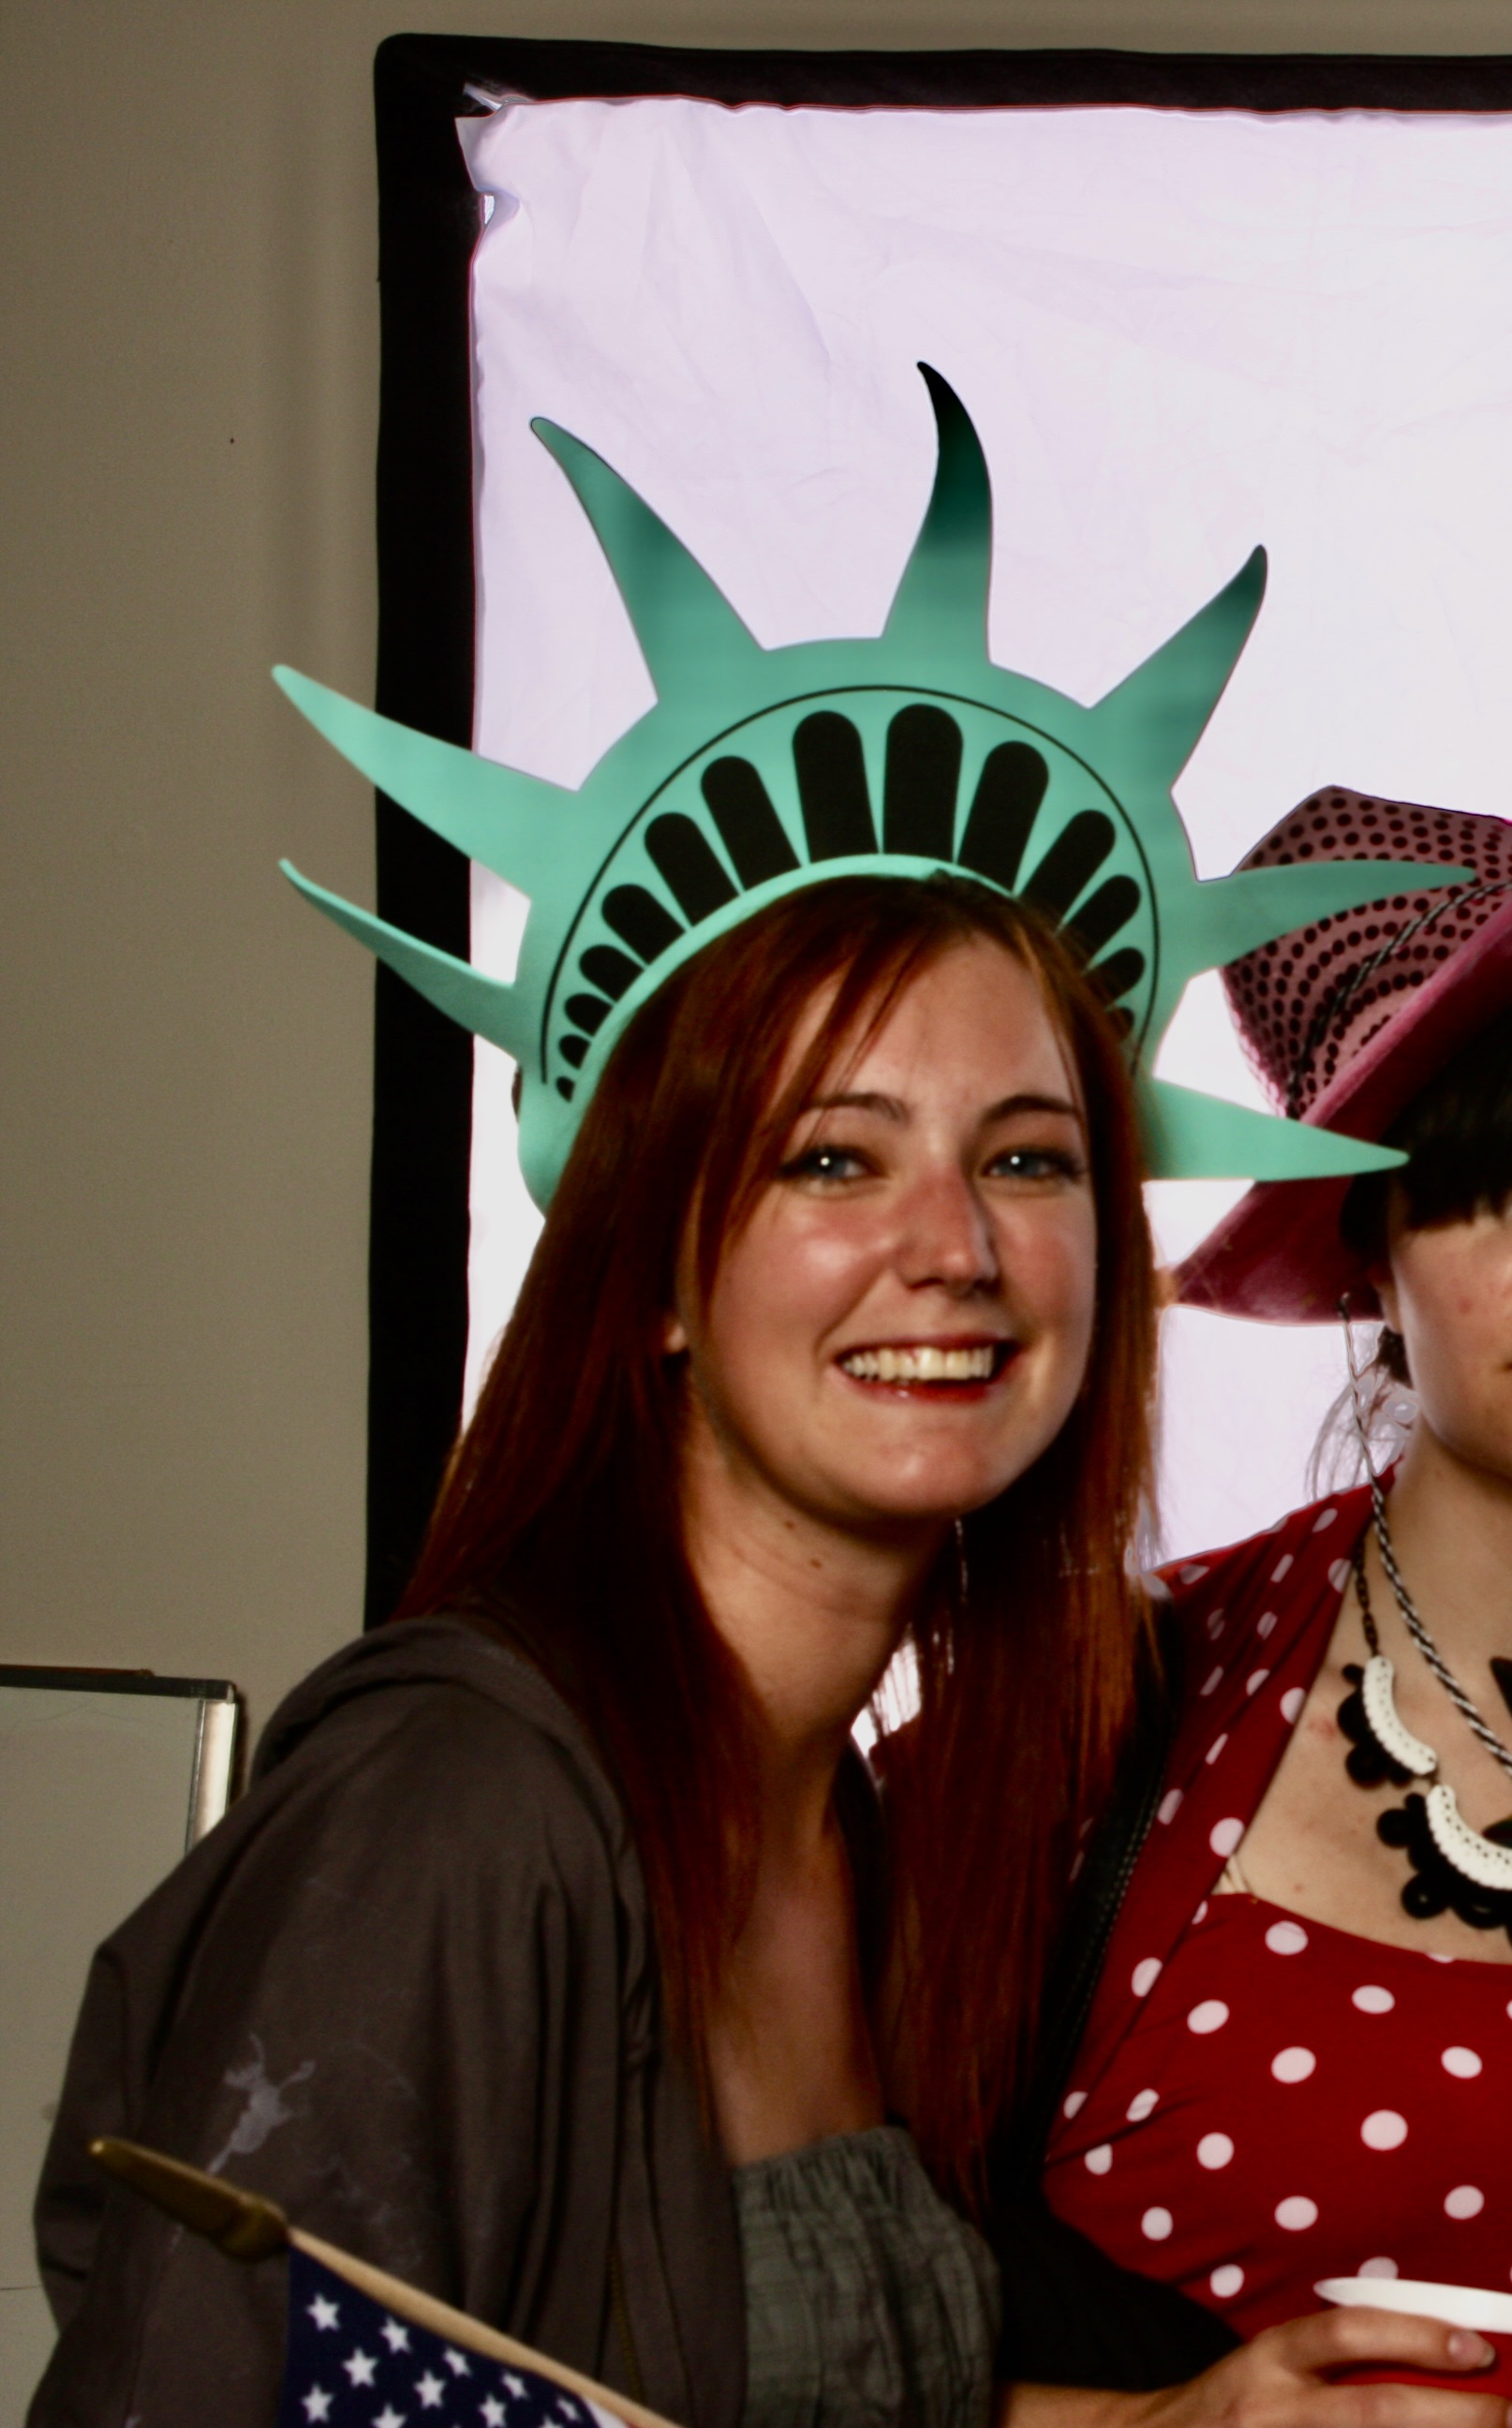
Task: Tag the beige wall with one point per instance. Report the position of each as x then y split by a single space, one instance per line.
188 403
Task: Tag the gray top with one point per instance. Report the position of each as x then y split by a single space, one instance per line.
869 2303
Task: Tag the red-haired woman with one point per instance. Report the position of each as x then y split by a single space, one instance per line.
1296 2066
543 1962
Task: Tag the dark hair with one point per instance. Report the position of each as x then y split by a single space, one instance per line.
562 1499
1457 1133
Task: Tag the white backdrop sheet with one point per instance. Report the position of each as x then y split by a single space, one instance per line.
1177 334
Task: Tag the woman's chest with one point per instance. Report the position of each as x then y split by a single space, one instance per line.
1294 2102
1314 1845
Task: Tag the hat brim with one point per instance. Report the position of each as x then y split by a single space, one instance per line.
1278 1256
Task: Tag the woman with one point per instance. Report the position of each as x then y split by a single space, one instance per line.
549 1960
1295 2066
821 1283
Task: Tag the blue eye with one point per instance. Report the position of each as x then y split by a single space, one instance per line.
824 1163
1036 1163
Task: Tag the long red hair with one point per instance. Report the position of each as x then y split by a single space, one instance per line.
562 1501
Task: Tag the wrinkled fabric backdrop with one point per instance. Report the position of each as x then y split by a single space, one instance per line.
1177 334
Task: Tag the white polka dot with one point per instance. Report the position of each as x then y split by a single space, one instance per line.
1226 2282
1256 1681
1293 2064
1286 1938
1156 2224
1210 2016
1434 1957
1214 2151
1466 2200
1384 2130
1098 2161
1193 1573
1213 1679
1283 1564
1265 1625
1510 2006
1371 1999
1296 2214
1216 1749
1340 1574
1291 1703
1225 1837
1214 1624
1201 1914
1143 2104
1144 1976
1072 2104
1377 2268
1170 1805
1324 1520
1462 2062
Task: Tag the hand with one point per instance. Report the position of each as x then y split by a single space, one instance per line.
1279 2381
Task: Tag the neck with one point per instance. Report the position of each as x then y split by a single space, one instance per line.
814 1613
1452 1530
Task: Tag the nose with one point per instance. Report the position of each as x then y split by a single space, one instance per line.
946 1237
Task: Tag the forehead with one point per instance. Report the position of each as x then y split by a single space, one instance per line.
974 1023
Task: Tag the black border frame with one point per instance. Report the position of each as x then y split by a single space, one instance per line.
429 219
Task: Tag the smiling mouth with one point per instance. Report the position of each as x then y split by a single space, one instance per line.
918 1362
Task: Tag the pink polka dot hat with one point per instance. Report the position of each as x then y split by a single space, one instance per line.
1344 1021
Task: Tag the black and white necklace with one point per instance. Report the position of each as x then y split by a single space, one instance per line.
1455 1868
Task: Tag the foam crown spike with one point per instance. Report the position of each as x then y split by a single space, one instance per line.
760 771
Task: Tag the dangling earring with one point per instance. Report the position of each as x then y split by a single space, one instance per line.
1357 1406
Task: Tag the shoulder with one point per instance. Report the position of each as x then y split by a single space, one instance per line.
1295 1556
421 1771
437 1702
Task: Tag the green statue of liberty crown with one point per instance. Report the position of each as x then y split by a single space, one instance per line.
759 771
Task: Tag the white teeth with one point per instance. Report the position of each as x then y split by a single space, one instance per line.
921 1365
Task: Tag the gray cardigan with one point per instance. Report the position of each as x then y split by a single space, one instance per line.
406 1989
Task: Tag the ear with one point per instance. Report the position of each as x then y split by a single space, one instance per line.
1383 1284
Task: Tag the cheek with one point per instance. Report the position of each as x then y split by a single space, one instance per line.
788 1275
1457 1317
1051 1269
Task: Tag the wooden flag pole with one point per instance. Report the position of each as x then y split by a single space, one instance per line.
245 2226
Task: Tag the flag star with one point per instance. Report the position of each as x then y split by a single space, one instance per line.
389 2418
430 2391
493 2412
317 2403
456 2364
359 2367
513 2385
395 2336
324 2313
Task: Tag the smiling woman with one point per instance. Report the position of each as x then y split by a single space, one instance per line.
561 1898
557 1938
882 1117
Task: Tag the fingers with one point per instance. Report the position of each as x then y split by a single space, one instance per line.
1346 2339
1402 2406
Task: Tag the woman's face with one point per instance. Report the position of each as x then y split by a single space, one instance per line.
903 1325
1449 1294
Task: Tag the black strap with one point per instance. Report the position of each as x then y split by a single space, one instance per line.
1071 2315
1076 1967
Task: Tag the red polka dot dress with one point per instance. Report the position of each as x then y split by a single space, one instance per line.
1260 2100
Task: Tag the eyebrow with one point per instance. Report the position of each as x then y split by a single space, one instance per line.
892 1109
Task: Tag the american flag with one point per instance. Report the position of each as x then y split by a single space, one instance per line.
352 2363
